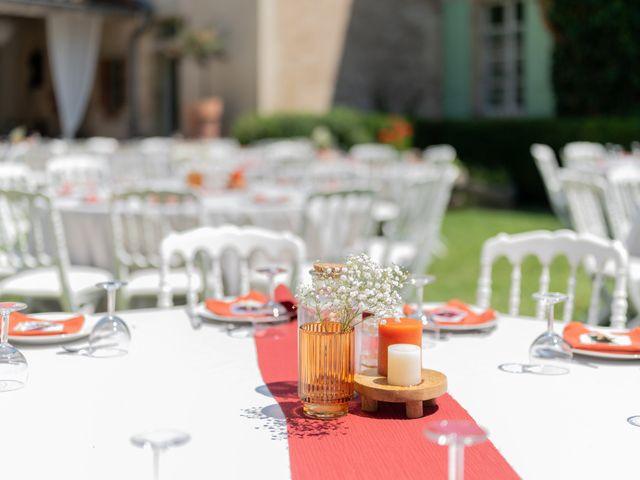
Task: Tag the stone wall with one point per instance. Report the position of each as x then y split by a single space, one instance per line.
392 57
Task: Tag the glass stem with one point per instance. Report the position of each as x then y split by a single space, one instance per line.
4 328
156 464
456 461
272 287
550 318
111 302
420 294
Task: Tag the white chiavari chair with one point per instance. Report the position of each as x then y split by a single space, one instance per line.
624 197
436 154
585 196
413 237
34 248
583 155
547 246
549 168
378 158
140 219
337 222
226 251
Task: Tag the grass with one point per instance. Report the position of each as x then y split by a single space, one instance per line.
464 232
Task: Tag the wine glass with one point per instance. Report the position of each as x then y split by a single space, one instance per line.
159 441
549 348
110 337
13 365
276 310
456 434
421 281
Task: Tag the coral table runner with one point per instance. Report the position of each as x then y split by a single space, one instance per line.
384 445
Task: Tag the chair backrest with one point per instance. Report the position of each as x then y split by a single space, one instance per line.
140 219
422 206
583 155
71 172
546 246
336 222
215 244
17 176
440 154
585 194
548 167
623 197
32 236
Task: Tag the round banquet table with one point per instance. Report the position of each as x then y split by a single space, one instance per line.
75 416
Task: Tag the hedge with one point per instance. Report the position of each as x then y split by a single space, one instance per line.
504 144
495 147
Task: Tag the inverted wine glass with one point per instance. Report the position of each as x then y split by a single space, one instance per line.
110 337
457 435
275 309
159 441
13 365
421 281
549 349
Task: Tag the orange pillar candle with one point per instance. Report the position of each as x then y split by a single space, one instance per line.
394 331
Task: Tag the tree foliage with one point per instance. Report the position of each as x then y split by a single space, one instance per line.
596 56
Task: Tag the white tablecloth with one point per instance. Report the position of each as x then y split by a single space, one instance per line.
74 418
90 241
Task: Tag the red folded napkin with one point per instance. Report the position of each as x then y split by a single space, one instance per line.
223 308
70 325
574 330
471 318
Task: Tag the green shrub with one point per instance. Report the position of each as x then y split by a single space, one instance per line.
349 127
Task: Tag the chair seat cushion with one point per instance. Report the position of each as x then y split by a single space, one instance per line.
44 282
146 283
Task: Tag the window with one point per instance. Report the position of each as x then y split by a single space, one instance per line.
502 34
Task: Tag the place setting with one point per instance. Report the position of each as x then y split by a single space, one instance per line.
251 314
442 321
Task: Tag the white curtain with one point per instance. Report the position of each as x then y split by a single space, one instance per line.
73 41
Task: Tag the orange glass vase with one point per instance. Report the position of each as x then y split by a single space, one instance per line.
326 368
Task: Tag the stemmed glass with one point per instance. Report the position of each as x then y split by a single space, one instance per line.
159 441
549 347
13 365
276 309
456 434
110 337
421 281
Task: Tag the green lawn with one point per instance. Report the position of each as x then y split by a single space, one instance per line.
464 231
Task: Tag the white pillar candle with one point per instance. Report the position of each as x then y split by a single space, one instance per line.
404 365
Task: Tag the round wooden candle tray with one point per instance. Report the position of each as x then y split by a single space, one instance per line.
374 388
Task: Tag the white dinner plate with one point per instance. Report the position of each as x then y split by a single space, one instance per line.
204 312
56 338
461 328
607 355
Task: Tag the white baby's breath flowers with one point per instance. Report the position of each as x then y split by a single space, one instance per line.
362 285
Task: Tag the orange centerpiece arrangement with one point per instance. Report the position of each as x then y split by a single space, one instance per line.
330 308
